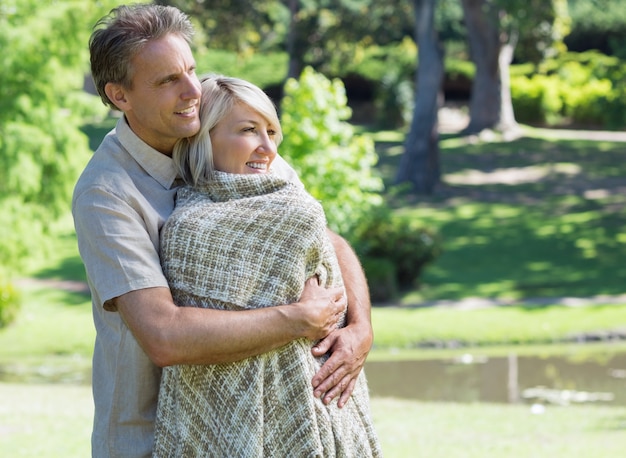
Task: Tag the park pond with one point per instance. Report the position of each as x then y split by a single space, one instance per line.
562 380
578 377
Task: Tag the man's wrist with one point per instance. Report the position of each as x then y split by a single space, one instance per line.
294 320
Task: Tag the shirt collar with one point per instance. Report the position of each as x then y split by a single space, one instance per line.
156 164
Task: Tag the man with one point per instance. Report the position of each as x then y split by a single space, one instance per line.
142 65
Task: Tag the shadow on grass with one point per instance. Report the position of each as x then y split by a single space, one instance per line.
57 292
528 218
529 254
68 269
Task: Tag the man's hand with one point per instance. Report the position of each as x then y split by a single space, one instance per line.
319 310
348 349
348 346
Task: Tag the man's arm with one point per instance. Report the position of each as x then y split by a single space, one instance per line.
191 335
348 346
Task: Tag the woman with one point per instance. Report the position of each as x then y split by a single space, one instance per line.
245 234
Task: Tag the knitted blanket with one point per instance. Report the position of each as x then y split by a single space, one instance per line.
246 242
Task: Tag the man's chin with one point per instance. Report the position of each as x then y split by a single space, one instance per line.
190 129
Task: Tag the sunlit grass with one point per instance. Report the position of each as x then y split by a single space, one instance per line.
410 328
45 421
52 338
410 429
558 247
55 420
52 322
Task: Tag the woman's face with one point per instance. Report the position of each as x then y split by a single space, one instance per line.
243 142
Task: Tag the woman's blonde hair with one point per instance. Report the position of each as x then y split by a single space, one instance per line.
193 156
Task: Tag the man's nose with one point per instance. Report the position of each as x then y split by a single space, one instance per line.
193 89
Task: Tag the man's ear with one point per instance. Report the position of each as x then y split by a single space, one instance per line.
116 94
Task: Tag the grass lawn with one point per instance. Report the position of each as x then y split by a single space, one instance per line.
512 325
51 421
535 217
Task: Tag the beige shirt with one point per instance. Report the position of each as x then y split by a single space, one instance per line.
121 201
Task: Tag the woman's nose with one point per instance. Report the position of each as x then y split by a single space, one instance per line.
267 145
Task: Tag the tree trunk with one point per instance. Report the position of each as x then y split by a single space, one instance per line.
507 123
419 164
295 60
482 28
492 53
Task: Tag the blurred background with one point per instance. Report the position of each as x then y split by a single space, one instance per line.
473 153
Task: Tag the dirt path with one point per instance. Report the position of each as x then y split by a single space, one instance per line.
453 120
64 285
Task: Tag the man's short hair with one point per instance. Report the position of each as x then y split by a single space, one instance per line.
121 34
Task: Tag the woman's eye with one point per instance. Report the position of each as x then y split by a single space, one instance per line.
271 132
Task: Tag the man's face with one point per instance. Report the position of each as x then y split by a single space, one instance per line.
162 106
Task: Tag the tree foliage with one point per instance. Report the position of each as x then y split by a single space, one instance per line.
236 25
335 165
10 302
329 34
598 25
42 107
539 27
324 34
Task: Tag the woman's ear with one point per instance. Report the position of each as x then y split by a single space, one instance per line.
117 95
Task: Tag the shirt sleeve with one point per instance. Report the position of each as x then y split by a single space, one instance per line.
285 171
119 250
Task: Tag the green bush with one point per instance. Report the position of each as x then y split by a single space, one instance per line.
581 88
597 24
584 104
537 99
402 242
526 94
394 101
27 233
459 69
9 303
381 278
336 166
42 107
613 108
